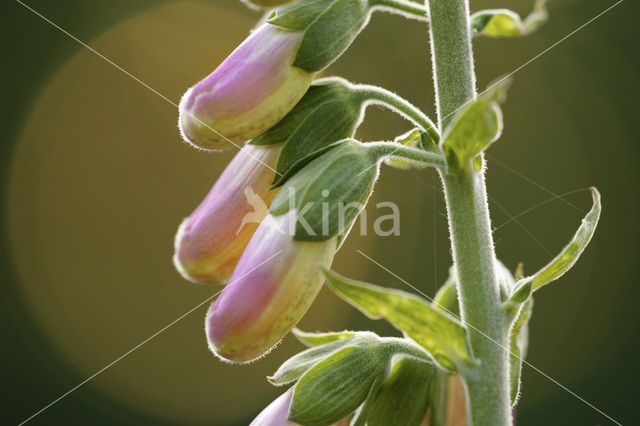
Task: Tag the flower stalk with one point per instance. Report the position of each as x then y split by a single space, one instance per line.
487 386
379 96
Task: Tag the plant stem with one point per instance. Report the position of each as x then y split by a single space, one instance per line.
405 7
390 149
377 95
487 386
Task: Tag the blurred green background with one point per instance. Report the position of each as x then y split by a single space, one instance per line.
96 180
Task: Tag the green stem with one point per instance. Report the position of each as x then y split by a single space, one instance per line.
391 149
487 386
408 8
377 95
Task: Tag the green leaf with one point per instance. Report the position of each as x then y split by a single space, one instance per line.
321 91
441 335
330 26
330 111
299 15
504 23
299 165
520 294
337 385
571 253
326 203
317 339
475 127
297 365
402 399
518 347
328 123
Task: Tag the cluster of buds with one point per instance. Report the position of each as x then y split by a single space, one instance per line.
298 134
264 93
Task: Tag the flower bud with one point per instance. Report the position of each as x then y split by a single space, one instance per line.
210 241
274 284
276 413
248 93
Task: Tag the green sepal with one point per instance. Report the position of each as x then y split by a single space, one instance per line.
320 91
299 15
329 123
572 252
403 397
519 341
504 23
440 334
299 164
361 414
330 26
297 365
475 127
330 390
320 191
330 111
317 339
438 398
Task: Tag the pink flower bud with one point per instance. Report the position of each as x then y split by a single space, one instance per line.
276 413
210 241
274 284
248 93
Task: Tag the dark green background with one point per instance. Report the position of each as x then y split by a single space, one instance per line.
571 122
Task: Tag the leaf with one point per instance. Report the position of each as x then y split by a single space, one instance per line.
322 90
336 386
316 339
572 252
299 15
475 127
504 23
520 294
330 26
330 111
518 347
297 365
326 203
330 122
441 335
402 399
299 165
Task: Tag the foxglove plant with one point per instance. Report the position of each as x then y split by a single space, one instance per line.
460 355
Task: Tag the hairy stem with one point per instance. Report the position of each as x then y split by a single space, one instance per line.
487 386
405 7
379 96
391 149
